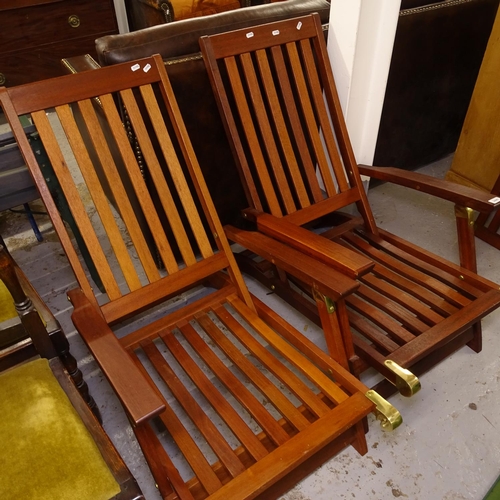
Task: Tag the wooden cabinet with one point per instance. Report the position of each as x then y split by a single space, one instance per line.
36 34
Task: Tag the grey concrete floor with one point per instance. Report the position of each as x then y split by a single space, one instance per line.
449 444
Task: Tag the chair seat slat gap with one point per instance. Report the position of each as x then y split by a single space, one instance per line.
237 389
192 408
216 399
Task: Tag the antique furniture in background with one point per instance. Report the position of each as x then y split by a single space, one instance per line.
276 92
208 361
437 53
145 13
52 445
36 34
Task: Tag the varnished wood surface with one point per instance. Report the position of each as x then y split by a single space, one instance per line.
275 88
204 375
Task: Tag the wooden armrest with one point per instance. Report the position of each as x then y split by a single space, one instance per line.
317 275
458 194
139 398
324 250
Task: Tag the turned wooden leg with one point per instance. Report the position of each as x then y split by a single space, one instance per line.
62 347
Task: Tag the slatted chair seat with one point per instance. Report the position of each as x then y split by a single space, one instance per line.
225 398
277 95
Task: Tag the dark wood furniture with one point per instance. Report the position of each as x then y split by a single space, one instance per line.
209 372
37 34
34 343
436 57
16 335
276 92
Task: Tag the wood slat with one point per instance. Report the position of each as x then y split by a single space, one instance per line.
216 399
368 330
116 186
382 320
387 304
172 284
281 128
143 195
259 380
323 115
266 133
292 114
272 363
420 310
251 137
188 447
438 304
88 171
243 395
418 277
178 178
192 408
164 471
304 101
75 203
323 382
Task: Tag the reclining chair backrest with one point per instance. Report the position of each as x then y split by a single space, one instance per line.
178 45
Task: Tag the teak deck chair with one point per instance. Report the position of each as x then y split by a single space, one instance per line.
221 399
277 95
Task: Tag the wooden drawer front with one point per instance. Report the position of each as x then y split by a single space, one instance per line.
43 24
42 62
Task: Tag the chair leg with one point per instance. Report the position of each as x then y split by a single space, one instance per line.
466 241
476 344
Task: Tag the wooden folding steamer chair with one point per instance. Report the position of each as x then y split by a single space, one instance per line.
223 402
277 96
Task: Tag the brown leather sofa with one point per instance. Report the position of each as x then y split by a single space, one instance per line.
178 44
436 59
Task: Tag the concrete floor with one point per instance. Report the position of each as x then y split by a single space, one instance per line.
449 444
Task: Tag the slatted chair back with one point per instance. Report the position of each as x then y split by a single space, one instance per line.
276 93
81 155
284 118
222 400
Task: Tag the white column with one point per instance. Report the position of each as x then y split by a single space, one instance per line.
360 42
121 16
